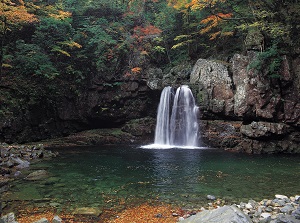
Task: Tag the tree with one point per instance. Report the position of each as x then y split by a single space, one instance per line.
12 16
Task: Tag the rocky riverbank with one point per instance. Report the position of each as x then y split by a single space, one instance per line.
15 161
280 209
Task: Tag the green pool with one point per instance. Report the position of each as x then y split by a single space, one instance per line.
107 176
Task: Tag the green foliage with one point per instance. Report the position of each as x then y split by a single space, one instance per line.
51 32
30 60
268 62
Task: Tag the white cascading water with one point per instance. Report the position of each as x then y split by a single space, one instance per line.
177 118
162 130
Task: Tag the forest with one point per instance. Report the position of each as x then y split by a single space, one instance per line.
65 65
72 39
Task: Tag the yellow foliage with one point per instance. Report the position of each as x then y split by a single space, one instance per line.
59 50
5 65
71 44
60 15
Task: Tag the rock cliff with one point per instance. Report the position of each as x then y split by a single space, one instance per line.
251 111
241 109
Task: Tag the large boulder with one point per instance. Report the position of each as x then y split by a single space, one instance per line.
225 214
215 86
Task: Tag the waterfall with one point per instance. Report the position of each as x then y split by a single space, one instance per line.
176 123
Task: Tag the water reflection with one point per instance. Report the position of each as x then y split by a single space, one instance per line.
95 175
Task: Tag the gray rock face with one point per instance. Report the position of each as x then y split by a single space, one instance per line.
154 80
249 95
215 85
255 95
225 214
264 129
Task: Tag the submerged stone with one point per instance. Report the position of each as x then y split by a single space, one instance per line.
87 211
37 175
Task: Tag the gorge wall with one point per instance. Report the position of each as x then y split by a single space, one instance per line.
251 111
241 109
30 113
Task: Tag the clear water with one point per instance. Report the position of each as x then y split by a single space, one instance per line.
107 176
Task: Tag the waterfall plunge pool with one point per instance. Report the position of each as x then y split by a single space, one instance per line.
108 176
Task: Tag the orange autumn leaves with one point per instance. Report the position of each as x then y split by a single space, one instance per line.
146 213
14 13
211 22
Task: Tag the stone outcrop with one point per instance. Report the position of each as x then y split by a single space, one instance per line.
266 109
178 75
215 86
264 129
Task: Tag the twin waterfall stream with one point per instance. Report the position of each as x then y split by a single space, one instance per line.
176 124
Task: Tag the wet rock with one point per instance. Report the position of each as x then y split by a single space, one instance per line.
87 211
222 214
37 175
